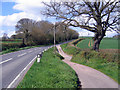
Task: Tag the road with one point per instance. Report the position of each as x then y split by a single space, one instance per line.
13 66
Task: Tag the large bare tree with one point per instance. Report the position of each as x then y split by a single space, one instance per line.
98 16
25 27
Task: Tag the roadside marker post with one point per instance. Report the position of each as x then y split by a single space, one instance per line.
39 57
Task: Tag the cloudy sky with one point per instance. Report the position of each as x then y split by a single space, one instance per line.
13 10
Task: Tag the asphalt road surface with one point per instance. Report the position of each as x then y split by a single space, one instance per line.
13 65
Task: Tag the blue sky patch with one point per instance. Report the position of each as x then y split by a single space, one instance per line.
7 8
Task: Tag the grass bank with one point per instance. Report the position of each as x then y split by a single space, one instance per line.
51 72
104 62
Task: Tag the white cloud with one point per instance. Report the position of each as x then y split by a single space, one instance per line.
11 20
29 6
29 9
9 32
1 32
110 33
85 33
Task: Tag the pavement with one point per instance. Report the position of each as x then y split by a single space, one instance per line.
13 66
89 77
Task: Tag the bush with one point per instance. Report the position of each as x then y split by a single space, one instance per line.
6 46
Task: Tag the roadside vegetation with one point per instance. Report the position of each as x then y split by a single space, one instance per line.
30 33
51 72
11 45
106 61
17 49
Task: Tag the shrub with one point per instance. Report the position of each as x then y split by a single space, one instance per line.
6 46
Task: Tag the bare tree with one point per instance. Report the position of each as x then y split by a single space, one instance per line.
98 17
25 26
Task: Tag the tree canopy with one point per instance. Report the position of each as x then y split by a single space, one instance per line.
42 32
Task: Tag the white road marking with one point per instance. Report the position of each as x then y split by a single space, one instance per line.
21 54
9 86
6 60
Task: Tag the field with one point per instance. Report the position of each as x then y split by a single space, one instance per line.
51 72
109 43
11 41
106 43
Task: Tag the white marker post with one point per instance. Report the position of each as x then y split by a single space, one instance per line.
38 58
45 49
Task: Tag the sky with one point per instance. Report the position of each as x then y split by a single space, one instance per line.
11 11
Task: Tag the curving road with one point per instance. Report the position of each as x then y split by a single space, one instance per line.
13 66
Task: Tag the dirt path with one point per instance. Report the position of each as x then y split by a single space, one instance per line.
89 77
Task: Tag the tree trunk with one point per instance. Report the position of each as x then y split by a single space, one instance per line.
97 41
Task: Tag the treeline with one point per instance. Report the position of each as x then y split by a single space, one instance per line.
42 32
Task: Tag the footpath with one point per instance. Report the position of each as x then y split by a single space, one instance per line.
88 77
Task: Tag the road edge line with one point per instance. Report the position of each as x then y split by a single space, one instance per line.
9 86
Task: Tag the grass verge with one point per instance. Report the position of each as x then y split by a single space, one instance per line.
51 72
104 62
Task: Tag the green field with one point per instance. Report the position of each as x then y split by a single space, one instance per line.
51 72
109 43
106 43
11 41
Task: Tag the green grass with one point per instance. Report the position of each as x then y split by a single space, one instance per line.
51 72
104 62
69 49
84 43
11 41
106 43
109 44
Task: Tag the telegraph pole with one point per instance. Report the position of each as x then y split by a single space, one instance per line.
54 36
